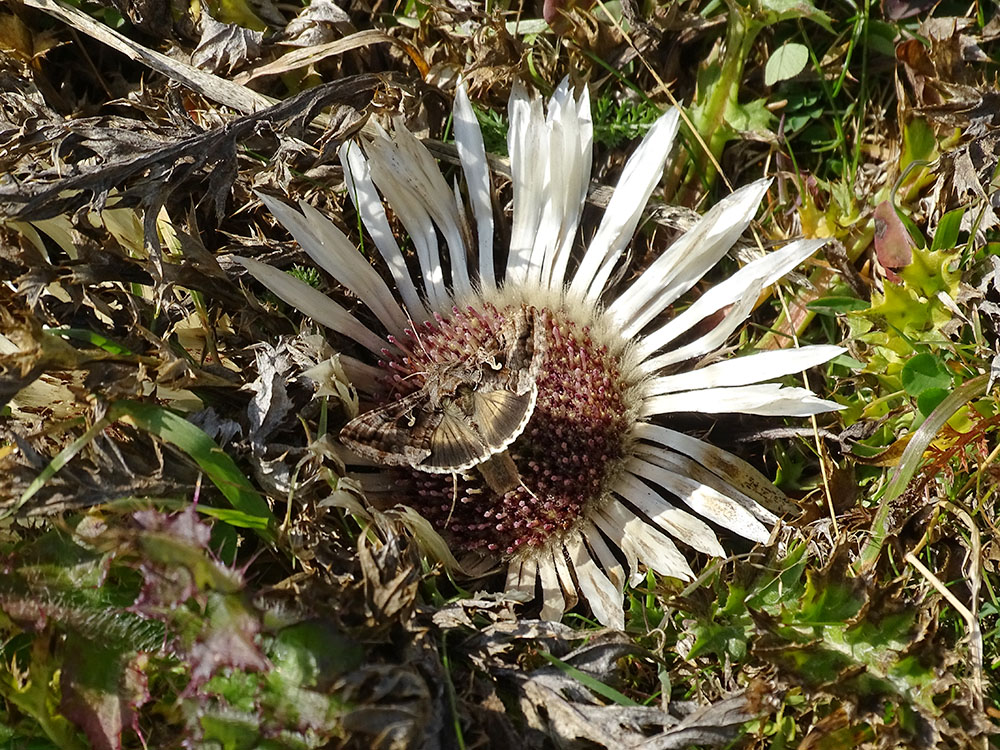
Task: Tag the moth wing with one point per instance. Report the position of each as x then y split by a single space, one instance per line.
523 350
396 434
454 445
501 415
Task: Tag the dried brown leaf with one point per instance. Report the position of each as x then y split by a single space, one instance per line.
225 47
553 703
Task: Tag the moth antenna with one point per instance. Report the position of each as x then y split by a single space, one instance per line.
416 373
528 489
401 385
454 497
413 332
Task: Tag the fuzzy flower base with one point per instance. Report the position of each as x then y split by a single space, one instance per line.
576 435
517 408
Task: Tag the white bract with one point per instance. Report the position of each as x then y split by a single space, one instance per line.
605 484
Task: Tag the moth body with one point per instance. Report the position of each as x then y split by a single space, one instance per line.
466 414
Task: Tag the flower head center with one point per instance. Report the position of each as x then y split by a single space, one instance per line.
562 455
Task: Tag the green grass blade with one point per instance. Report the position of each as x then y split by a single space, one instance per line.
62 458
589 682
92 338
909 462
216 464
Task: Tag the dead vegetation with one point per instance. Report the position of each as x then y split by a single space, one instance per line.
185 563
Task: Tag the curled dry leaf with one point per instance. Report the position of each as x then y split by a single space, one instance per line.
555 704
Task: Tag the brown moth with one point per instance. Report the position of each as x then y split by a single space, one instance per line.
466 414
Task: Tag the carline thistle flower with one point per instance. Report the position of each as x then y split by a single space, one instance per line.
518 407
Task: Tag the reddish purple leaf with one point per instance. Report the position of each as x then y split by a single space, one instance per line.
101 688
893 244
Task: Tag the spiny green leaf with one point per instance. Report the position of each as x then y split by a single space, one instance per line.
312 652
751 117
785 586
931 272
908 313
828 601
722 640
99 692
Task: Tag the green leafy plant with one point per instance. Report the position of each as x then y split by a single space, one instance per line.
836 638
